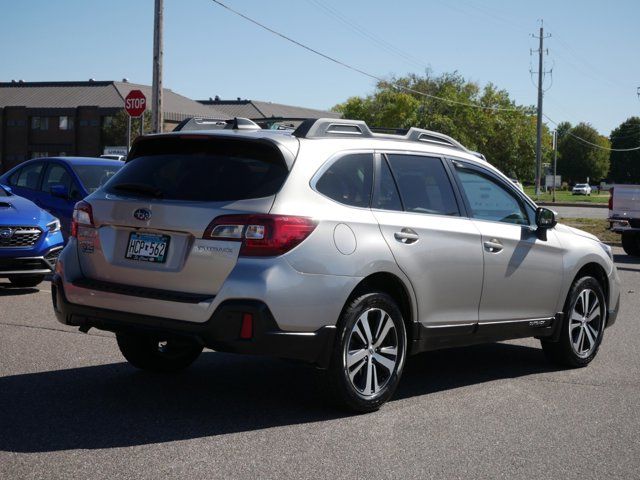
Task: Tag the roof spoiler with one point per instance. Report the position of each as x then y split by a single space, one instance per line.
198 123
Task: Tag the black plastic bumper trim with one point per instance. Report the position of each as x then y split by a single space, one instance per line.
144 292
221 332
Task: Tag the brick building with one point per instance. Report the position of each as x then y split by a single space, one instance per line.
67 118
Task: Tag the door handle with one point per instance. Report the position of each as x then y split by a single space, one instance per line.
493 246
406 235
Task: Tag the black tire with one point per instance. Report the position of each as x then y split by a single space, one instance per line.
153 354
631 243
339 386
25 281
563 351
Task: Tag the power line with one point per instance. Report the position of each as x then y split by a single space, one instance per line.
397 85
594 144
363 32
362 72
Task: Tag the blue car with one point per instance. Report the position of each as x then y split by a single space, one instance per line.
30 240
57 183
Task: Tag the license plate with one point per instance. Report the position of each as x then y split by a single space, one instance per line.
148 247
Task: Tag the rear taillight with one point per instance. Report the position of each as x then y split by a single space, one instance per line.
611 199
261 235
82 216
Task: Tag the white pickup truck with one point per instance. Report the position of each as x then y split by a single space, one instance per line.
624 216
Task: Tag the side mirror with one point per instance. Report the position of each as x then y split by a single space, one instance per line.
545 219
59 190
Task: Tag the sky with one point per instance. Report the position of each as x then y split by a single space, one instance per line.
209 51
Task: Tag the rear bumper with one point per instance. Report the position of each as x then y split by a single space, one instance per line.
221 332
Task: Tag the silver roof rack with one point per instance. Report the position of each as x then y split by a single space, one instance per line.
334 128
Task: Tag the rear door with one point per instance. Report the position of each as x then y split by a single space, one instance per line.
522 274
167 194
438 249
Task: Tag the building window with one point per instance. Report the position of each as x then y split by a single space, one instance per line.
39 123
65 123
39 154
62 154
11 123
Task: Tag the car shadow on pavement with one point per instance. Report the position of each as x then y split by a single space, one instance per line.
6 290
114 405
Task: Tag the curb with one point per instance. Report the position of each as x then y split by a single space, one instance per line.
573 204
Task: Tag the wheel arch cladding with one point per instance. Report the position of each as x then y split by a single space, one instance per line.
394 287
596 271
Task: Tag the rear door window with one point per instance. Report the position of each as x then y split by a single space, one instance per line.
348 180
424 185
93 177
202 169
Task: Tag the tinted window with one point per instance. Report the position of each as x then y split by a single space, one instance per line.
202 170
93 177
387 196
424 185
489 200
29 176
348 180
56 175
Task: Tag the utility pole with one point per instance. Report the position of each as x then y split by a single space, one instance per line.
541 73
555 162
156 95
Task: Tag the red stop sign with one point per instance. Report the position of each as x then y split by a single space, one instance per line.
135 103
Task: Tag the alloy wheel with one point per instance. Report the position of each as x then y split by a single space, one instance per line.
371 353
586 323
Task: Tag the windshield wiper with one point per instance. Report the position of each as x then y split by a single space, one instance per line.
139 188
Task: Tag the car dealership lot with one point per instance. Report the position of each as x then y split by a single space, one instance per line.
70 407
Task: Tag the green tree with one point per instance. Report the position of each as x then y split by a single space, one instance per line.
577 160
114 130
506 137
625 166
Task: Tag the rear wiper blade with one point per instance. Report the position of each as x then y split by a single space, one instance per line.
139 188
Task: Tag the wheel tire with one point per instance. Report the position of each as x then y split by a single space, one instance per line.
153 354
631 243
575 325
25 281
376 346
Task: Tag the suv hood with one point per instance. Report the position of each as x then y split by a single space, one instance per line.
576 231
15 210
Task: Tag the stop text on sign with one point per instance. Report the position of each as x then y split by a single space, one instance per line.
135 103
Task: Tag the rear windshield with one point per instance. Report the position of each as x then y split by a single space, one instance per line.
94 176
202 170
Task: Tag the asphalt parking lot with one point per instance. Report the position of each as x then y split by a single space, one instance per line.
71 408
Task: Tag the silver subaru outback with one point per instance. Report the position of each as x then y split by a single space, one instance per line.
332 244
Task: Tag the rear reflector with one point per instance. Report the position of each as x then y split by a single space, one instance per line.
246 330
261 235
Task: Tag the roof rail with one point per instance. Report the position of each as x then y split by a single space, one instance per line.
332 128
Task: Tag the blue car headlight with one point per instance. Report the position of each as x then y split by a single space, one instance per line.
53 226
